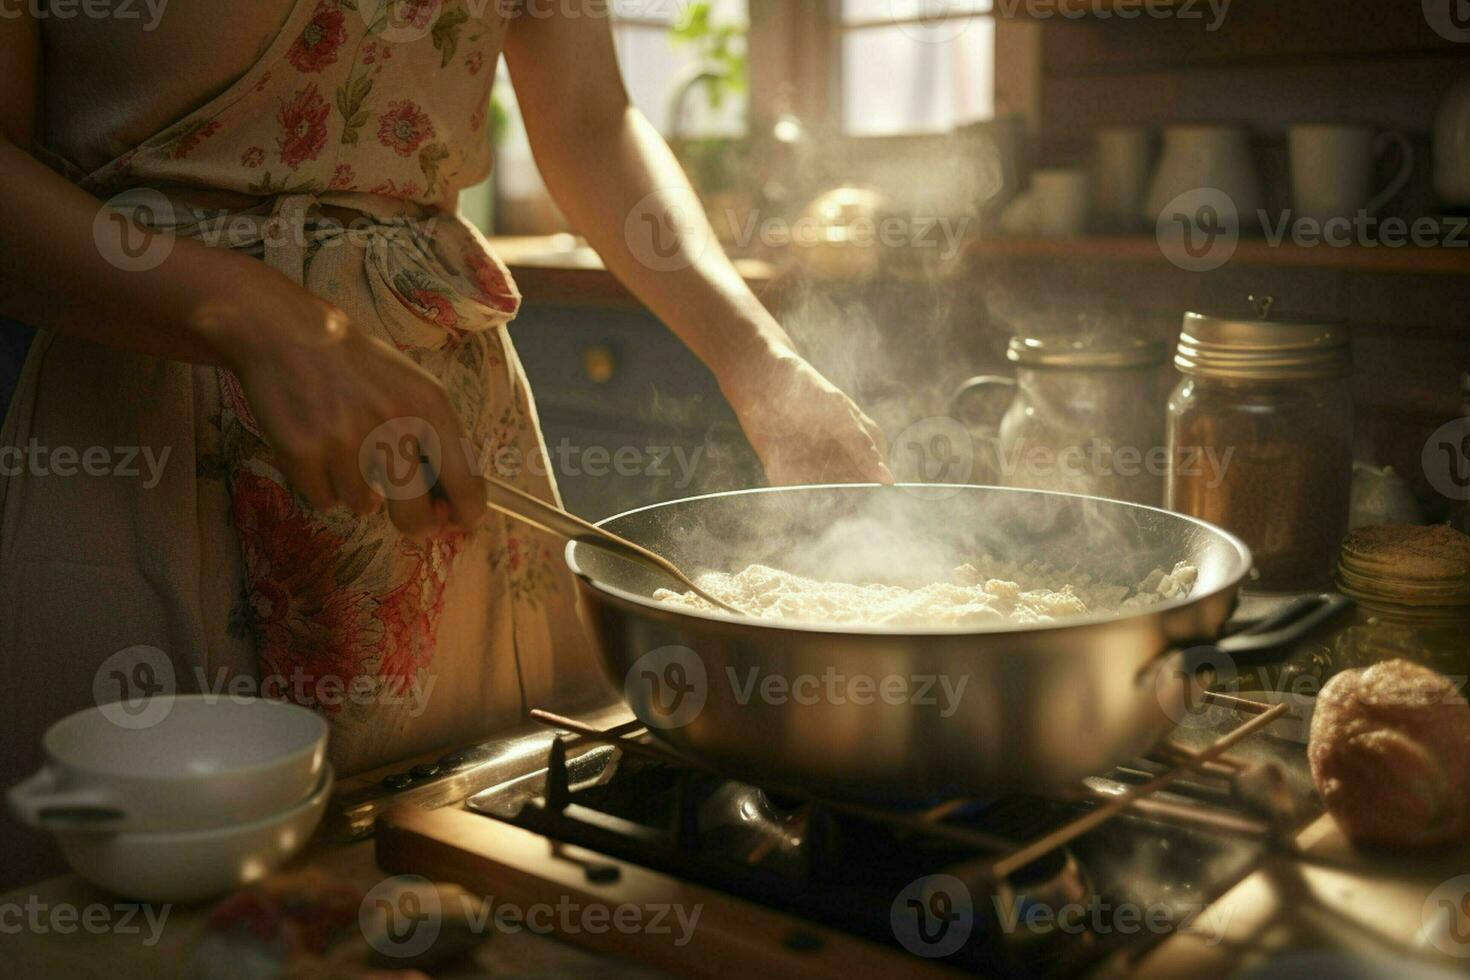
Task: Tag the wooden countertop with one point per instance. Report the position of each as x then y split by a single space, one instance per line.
1339 900
559 269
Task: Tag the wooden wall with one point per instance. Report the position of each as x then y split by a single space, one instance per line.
1268 65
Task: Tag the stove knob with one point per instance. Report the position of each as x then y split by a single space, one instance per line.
397 781
801 941
424 770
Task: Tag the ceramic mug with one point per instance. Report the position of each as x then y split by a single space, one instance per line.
1122 157
1332 169
1206 158
1061 196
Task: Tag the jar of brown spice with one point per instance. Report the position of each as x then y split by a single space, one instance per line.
1260 433
1411 588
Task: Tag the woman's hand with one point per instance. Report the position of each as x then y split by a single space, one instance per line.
803 428
348 416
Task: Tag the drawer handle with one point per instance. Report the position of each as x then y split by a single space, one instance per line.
599 364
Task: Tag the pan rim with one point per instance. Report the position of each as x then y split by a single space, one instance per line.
1231 584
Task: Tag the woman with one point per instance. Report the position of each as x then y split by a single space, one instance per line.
317 303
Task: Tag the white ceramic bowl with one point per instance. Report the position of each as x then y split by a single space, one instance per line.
210 761
186 866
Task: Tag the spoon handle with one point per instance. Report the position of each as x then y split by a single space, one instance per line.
536 512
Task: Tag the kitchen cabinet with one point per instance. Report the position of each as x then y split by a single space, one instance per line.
629 415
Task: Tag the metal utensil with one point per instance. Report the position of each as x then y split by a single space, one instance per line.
922 713
536 512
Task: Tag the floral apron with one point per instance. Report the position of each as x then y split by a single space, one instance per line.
374 108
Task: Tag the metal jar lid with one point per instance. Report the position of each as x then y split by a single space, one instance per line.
1407 565
1262 349
1085 351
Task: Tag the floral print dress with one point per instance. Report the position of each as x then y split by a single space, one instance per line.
375 109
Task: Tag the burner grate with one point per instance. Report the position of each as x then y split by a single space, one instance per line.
841 863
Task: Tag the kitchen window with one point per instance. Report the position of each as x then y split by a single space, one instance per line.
662 66
915 66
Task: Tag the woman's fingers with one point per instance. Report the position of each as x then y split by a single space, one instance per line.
350 483
411 507
307 474
459 485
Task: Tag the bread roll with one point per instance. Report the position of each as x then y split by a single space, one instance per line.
1390 754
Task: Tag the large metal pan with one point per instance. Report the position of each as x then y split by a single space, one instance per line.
912 713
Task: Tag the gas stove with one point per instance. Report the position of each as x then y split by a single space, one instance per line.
598 814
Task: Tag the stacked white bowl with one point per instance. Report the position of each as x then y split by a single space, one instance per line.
181 804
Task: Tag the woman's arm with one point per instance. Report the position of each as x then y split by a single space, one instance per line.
615 179
317 385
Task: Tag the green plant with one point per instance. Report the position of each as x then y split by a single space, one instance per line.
719 47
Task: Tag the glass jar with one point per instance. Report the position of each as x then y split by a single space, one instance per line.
1260 433
1083 416
1412 589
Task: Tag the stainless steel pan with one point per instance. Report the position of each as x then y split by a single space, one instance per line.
915 712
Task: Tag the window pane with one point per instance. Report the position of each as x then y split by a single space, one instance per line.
668 11
869 11
893 82
655 66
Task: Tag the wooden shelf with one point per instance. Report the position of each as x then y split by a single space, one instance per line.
1405 260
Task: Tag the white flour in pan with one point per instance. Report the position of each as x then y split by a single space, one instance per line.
993 593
